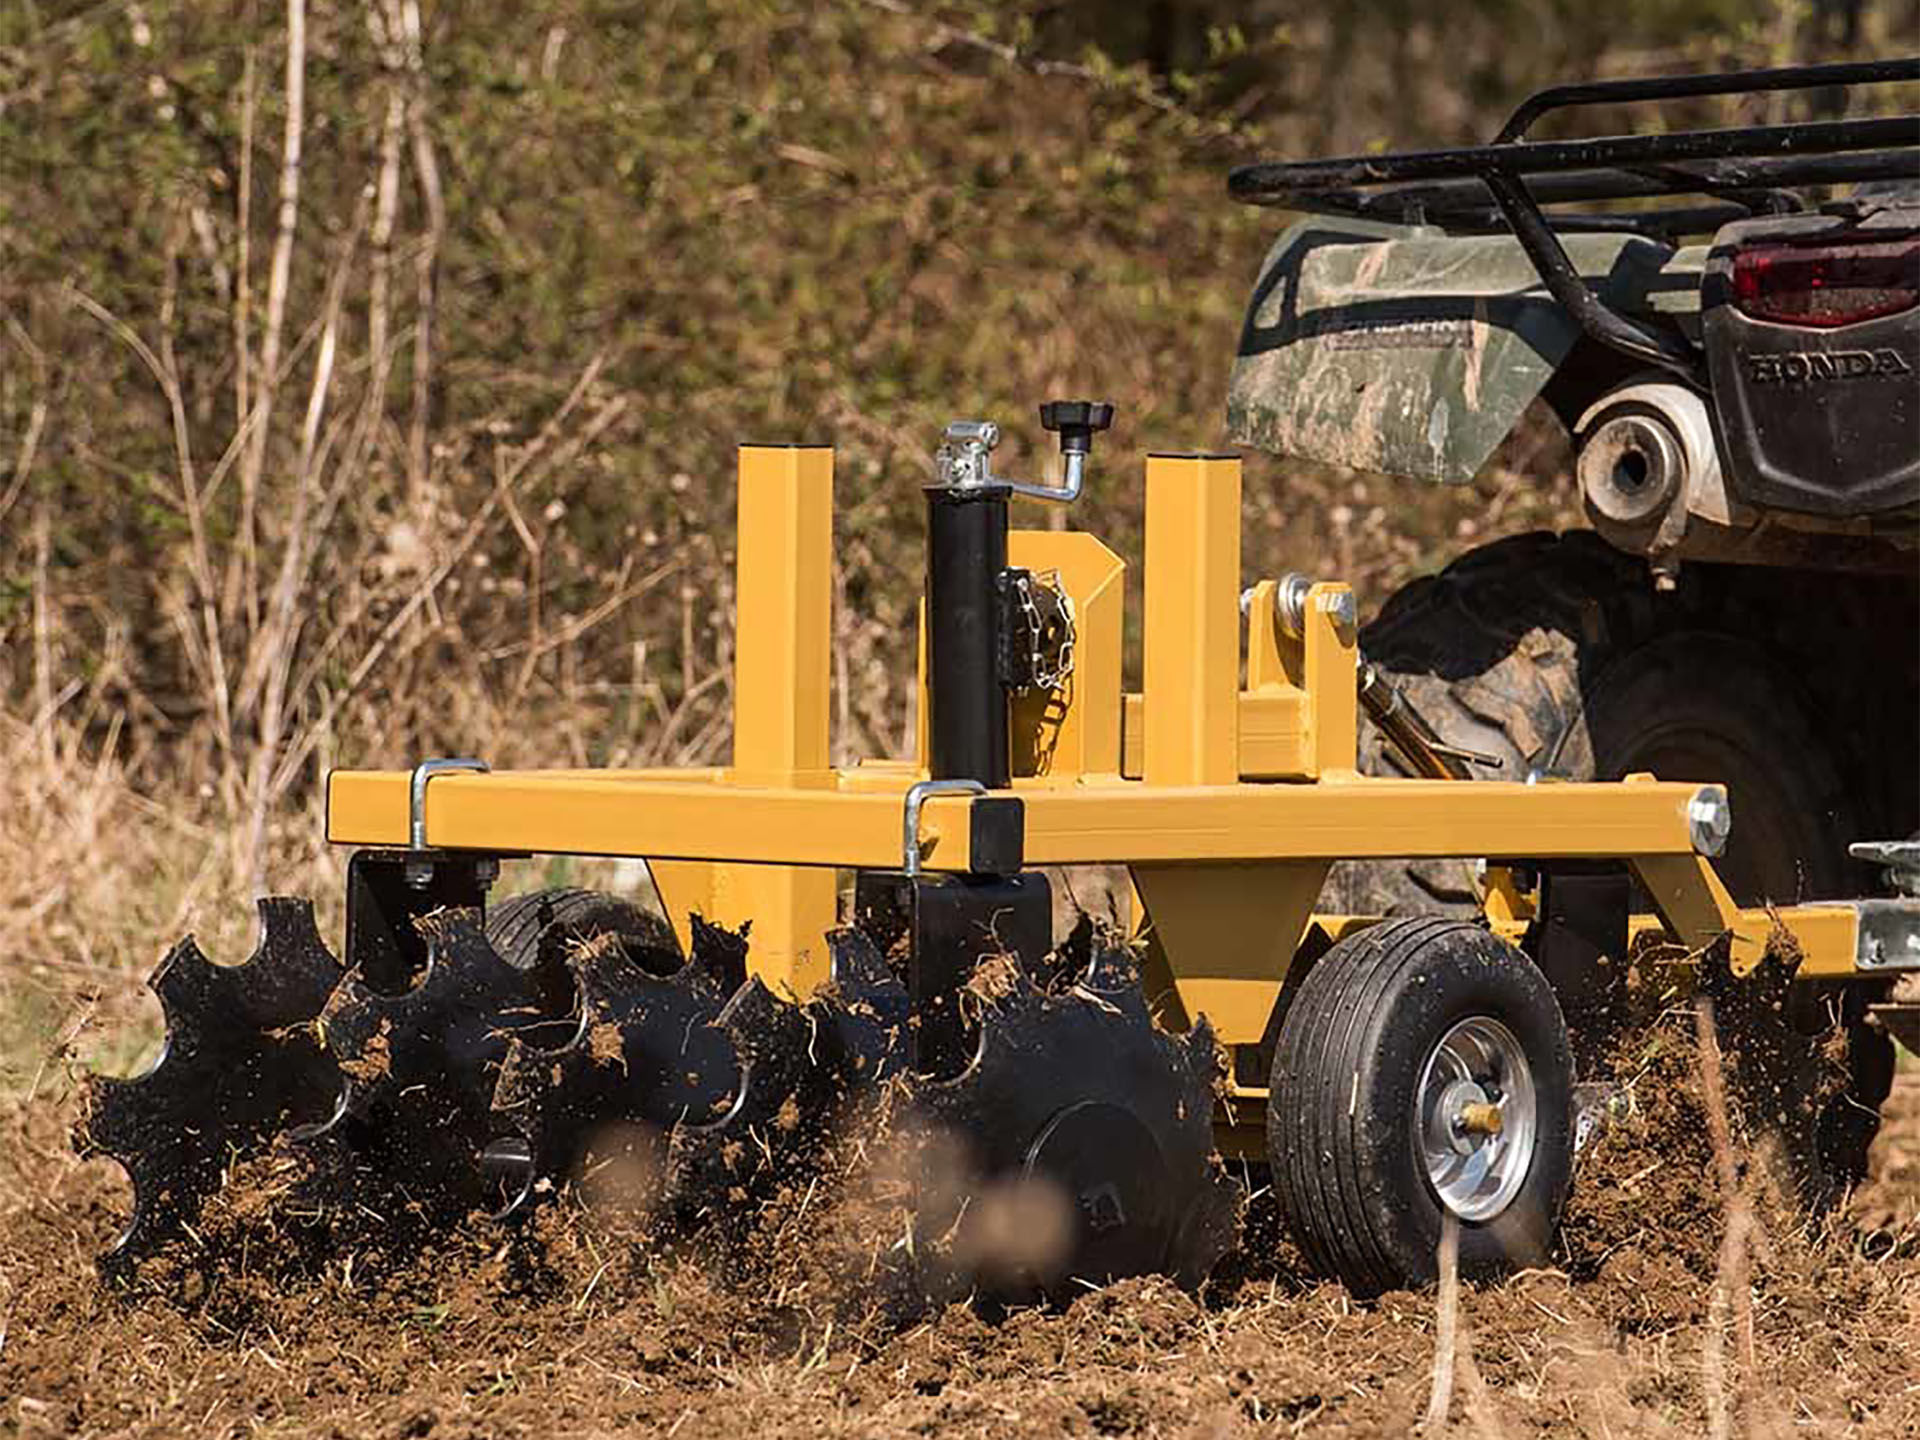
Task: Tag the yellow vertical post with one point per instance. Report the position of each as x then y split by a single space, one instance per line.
783 633
781 677
1219 937
1192 638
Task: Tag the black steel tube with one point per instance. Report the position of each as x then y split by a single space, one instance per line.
968 721
1731 82
1630 336
1753 183
1278 183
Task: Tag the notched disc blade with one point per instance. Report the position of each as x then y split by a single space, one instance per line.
240 1062
1079 1094
800 1065
416 1072
645 1056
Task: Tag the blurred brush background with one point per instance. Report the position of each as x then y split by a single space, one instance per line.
370 373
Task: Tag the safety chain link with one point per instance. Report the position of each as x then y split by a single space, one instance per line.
1050 638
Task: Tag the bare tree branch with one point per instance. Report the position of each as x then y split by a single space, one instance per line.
279 279
404 20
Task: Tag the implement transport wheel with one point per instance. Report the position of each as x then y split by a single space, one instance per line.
1423 1068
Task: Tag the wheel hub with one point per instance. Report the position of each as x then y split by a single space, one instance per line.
1476 1118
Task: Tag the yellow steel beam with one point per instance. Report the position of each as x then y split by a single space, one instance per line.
1222 936
646 819
1117 822
1698 908
1191 664
1358 818
1826 937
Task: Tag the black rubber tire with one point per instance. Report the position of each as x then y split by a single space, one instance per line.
1347 1175
524 927
1793 689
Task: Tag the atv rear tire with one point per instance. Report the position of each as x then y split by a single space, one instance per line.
1556 654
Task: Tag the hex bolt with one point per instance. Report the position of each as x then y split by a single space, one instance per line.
1709 819
1344 610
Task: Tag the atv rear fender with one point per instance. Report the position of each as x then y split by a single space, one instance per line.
1409 352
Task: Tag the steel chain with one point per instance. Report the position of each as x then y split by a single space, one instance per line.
1047 676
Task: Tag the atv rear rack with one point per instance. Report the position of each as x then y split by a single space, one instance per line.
1741 172
1749 170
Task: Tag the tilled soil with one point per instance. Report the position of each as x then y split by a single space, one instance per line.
577 1329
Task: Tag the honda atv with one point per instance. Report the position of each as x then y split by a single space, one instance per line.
1727 324
1725 321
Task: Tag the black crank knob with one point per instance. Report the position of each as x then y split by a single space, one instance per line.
1076 422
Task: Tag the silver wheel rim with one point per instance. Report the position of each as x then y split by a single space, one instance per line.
1474 1170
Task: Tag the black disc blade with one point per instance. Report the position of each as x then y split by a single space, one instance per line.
241 1061
801 1065
645 1056
1100 1124
416 1073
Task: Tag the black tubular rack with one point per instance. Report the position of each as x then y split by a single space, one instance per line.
1737 173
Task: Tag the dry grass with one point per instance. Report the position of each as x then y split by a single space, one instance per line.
96 874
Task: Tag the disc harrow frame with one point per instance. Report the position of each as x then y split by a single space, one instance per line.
1227 787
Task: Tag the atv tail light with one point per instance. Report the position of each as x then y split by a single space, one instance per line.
1827 286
